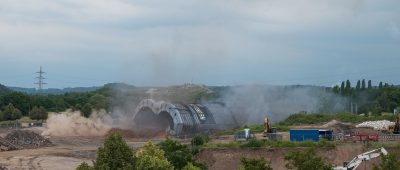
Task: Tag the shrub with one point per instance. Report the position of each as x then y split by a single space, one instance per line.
38 113
389 161
254 164
199 140
84 166
179 155
114 154
150 157
190 166
86 110
200 165
305 160
11 113
254 143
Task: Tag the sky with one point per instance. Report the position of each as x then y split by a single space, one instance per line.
235 42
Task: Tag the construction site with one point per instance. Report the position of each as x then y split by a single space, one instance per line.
357 146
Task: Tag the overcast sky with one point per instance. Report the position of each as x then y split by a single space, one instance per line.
213 42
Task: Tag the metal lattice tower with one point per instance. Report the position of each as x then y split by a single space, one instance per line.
40 79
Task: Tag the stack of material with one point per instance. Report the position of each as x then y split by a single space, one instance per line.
24 139
6 145
376 125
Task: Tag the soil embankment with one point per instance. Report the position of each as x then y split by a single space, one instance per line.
229 158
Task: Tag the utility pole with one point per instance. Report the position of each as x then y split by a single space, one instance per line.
40 79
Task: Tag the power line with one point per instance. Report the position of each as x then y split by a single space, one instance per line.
40 79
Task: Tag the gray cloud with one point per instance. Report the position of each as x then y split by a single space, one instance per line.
212 42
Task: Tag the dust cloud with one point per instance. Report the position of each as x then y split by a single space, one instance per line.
249 104
73 124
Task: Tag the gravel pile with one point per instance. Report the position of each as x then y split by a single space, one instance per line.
24 139
376 125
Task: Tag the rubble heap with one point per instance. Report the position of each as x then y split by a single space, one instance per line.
6 145
376 125
24 139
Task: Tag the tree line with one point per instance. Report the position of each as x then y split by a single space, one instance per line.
367 98
14 105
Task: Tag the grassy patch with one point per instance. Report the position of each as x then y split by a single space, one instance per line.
256 128
223 145
393 144
316 118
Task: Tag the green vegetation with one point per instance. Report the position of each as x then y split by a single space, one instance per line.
383 98
107 97
167 155
310 118
190 166
199 140
254 143
150 157
179 155
255 128
392 144
38 113
115 154
305 160
10 113
389 161
84 166
254 164
315 118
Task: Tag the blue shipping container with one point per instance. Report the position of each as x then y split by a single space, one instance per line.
304 134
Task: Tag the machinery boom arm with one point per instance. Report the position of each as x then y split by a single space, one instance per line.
353 164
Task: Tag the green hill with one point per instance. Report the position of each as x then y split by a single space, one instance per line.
4 90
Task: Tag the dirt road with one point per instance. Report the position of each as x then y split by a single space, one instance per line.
66 154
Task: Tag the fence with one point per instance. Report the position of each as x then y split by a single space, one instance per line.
17 124
10 125
367 137
389 137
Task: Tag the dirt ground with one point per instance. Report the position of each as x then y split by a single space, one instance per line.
66 154
229 158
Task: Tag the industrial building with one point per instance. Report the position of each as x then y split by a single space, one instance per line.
181 119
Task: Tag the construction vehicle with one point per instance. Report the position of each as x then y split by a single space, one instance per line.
267 126
353 164
395 129
269 131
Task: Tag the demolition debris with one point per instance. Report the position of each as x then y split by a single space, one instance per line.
376 125
23 139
